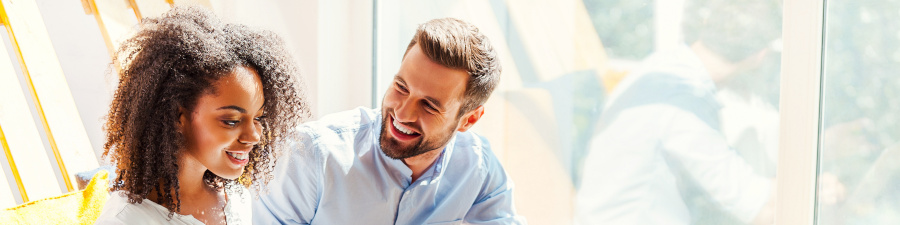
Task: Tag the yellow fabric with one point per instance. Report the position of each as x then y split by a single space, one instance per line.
79 207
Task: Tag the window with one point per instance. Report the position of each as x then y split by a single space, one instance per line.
859 151
603 102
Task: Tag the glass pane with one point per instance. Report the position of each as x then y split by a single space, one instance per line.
689 135
623 111
859 171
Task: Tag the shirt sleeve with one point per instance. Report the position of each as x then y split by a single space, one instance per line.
495 201
703 153
292 195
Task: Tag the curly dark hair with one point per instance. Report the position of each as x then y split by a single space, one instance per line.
168 64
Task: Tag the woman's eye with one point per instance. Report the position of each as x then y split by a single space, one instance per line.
260 118
230 123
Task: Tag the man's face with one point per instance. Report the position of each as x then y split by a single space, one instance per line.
419 110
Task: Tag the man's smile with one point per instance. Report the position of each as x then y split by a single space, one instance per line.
402 132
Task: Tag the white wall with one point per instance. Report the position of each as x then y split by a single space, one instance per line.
84 59
331 42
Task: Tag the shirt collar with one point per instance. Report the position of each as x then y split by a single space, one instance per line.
437 168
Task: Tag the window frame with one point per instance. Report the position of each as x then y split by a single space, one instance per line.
800 111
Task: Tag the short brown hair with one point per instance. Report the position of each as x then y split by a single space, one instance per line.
457 44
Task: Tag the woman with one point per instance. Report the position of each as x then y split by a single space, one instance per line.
200 110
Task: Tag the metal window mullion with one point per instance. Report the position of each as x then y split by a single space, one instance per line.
801 68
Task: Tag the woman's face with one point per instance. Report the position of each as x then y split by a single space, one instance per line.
224 125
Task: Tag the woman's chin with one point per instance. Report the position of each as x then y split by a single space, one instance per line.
230 175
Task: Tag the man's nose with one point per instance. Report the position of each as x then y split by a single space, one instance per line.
405 111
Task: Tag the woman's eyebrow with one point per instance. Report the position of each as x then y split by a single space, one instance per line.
233 107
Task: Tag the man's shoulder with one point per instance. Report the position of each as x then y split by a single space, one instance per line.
352 120
475 150
338 127
337 134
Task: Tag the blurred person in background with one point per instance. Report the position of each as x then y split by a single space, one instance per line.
658 144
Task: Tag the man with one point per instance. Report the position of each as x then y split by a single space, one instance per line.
412 162
658 150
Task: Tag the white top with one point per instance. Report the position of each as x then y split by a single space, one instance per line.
657 142
118 211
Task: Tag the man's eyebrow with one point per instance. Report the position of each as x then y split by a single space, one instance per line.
233 107
399 79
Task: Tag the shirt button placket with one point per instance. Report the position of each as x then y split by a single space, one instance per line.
405 207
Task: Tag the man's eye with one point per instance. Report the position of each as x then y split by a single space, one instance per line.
402 88
430 108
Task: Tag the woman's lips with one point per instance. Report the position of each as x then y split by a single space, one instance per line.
240 158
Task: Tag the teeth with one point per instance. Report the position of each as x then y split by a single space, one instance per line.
238 156
401 128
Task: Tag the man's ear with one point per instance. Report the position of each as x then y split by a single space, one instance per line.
470 118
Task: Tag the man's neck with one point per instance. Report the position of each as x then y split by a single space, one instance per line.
418 164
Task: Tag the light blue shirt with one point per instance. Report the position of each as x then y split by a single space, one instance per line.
341 176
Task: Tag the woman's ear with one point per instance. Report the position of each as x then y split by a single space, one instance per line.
182 119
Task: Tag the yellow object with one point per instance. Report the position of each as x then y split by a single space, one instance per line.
612 78
79 207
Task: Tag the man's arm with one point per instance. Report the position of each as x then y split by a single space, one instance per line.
292 195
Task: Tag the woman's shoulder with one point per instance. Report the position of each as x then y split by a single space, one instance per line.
238 209
119 211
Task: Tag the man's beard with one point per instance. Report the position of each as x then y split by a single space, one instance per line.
394 149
